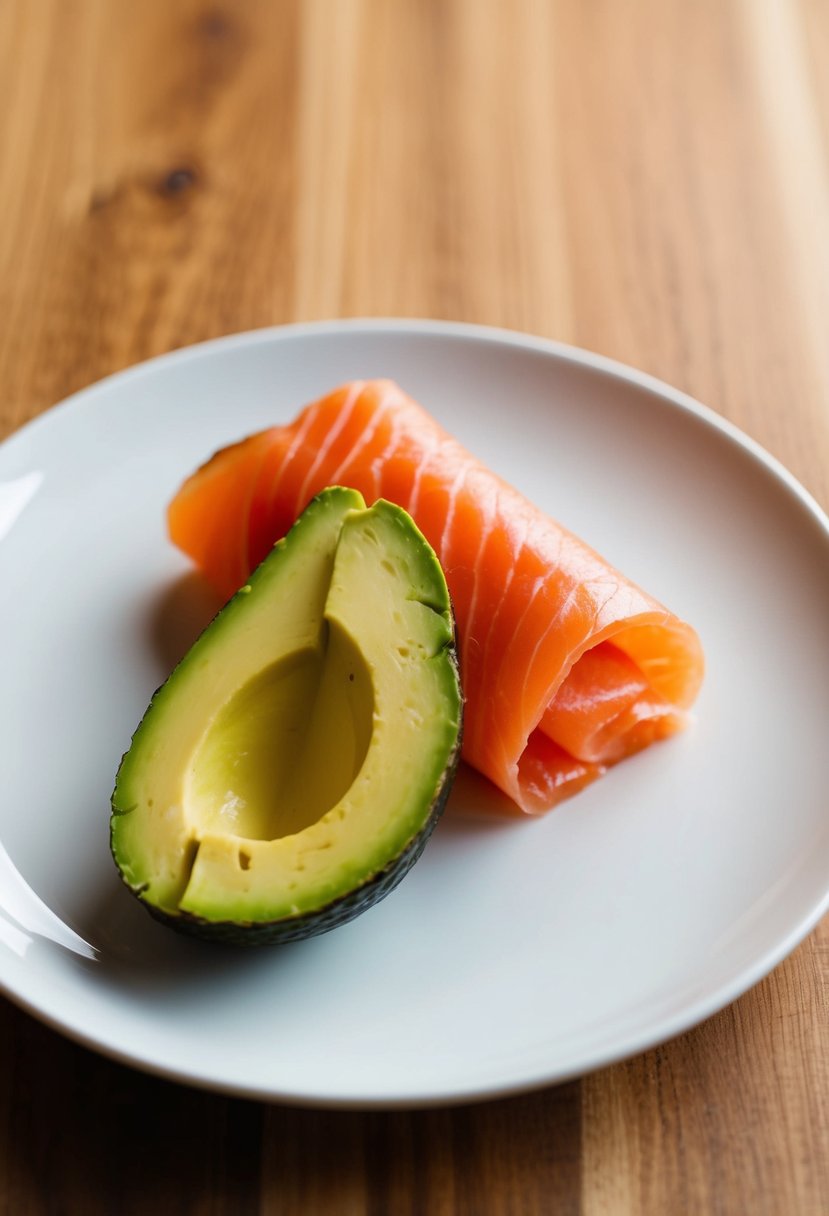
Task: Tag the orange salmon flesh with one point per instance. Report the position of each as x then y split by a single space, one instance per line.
567 666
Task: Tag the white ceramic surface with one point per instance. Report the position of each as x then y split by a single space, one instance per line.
516 953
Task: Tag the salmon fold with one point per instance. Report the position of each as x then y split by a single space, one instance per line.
567 666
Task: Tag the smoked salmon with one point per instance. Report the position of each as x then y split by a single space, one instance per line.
567 666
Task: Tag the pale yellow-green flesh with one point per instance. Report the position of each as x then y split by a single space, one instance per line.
286 747
273 782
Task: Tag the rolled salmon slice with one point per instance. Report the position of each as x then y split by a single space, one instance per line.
567 666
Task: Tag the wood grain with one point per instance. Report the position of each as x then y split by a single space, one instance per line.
649 179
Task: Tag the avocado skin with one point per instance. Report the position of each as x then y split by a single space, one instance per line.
334 914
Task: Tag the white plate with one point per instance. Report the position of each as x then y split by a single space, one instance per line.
516 953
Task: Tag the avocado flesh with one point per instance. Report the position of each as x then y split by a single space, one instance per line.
291 768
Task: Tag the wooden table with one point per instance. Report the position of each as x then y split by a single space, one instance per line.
645 178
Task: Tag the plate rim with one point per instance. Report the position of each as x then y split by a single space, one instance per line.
615 369
584 1062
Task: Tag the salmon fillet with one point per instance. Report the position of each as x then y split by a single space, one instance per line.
567 666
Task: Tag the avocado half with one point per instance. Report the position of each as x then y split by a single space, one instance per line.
289 772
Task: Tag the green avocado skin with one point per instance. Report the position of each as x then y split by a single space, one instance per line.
381 875
338 912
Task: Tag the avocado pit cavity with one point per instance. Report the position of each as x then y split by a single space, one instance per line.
287 745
